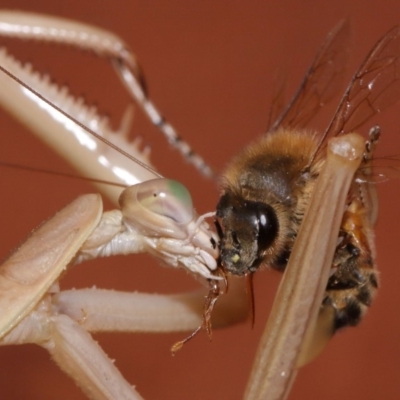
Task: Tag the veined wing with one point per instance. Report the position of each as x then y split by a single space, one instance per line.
322 81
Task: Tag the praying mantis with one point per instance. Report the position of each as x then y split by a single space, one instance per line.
134 378
27 284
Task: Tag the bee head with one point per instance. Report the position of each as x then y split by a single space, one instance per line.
247 229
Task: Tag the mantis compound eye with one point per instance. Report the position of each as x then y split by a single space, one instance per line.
167 198
158 207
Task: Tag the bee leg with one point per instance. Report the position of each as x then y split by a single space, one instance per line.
374 135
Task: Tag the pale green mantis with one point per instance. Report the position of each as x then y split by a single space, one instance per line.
181 214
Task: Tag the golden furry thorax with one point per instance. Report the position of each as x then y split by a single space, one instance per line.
275 170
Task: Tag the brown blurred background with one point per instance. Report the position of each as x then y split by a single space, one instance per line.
210 67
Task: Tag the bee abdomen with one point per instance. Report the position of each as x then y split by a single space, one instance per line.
350 299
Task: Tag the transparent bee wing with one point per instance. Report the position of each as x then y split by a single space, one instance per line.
374 87
384 169
278 98
321 82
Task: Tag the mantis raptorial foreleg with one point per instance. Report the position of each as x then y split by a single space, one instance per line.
48 123
26 277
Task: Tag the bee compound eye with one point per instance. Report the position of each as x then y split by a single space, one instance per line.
167 198
268 225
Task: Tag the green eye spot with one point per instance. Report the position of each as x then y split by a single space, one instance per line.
179 191
167 198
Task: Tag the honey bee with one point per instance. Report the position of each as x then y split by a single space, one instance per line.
267 188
